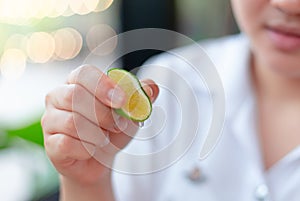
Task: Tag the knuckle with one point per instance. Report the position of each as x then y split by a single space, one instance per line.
52 96
58 147
75 74
46 122
76 96
69 124
48 99
85 70
44 119
78 92
47 143
64 144
68 95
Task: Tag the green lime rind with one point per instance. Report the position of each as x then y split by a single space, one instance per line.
122 112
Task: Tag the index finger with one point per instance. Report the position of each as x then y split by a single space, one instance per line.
150 88
98 84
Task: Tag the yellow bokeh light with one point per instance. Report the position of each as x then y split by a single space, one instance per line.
103 5
13 64
59 7
11 10
68 43
44 8
79 7
97 35
21 11
40 47
68 12
91 4
78 39
16 41
31 8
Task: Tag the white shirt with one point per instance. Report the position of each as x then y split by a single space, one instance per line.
234 169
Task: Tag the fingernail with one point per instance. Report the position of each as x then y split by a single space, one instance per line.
116 96
149 91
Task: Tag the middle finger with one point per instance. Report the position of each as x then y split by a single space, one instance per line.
77 99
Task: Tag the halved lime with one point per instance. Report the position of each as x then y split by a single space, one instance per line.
138 106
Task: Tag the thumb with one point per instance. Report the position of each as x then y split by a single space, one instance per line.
151 88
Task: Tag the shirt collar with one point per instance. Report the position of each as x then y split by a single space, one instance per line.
236 75
240 101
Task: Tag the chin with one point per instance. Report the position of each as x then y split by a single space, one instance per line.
285 68
283 63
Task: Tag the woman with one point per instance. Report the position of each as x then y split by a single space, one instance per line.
258 156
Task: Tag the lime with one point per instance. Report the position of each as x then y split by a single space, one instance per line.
138 106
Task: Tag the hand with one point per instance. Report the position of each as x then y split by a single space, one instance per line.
78 120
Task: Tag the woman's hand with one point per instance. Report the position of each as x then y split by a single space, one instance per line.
78 121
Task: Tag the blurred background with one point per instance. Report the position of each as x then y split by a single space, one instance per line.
41 41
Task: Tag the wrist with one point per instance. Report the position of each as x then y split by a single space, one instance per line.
73 190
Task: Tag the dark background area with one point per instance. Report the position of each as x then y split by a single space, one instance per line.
136 14
169 14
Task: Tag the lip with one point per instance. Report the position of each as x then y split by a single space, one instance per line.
285 38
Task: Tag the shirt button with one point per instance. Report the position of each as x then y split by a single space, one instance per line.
196 175
262 193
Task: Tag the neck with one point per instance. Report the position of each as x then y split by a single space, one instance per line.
275 86
278 102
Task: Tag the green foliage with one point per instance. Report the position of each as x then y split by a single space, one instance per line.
32 133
